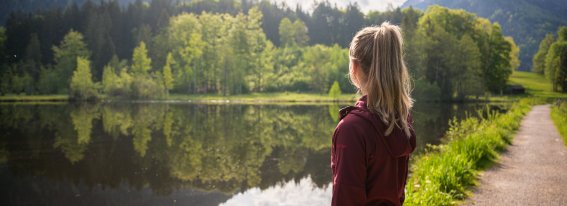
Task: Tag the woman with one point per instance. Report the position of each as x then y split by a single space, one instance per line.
373 140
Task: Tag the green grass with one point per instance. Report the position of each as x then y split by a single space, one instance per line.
559 117
276 97
265 97
536 85
443 175
34 98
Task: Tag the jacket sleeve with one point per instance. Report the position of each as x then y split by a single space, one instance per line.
348 161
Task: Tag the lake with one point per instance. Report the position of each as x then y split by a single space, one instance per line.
150 153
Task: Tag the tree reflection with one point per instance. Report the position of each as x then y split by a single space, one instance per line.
74 141
227 148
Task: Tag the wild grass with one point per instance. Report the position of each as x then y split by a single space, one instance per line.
559 117
444 174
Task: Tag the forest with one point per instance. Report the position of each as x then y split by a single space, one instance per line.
149 50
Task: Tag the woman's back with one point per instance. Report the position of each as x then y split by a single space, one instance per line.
374 170
373 140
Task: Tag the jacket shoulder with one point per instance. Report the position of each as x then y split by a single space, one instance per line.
343 112
354 119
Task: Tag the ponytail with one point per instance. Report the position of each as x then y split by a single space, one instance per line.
379 50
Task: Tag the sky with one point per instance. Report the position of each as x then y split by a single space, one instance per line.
365 5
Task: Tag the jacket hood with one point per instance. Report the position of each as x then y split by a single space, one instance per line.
397 143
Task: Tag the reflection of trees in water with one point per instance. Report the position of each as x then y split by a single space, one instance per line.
165 147
74 141
210 147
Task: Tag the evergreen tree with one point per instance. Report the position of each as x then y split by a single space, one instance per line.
3 58
335 91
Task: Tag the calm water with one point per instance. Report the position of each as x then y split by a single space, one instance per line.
177 154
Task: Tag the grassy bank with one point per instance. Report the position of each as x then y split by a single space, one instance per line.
444 174
559 117
252 98
536 85
34 98
264 97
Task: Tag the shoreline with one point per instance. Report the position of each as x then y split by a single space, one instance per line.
253 98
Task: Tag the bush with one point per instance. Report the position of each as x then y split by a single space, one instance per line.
146 87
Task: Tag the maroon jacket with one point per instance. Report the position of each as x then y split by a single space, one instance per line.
368 167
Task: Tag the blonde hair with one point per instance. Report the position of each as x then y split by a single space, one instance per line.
386 82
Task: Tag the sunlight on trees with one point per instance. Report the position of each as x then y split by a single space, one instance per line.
451 54
538 62
65 56
82 86
556 61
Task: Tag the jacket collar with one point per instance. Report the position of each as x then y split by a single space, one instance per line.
362 102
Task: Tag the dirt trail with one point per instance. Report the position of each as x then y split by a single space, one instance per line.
533 170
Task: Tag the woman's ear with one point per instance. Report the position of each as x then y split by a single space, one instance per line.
354 68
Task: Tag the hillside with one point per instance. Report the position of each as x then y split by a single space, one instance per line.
527 21
9 6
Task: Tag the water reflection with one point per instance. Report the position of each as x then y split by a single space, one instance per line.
164 152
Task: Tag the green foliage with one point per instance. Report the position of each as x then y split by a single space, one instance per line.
556 61
65 56
514 53
425 91
3 38
141 63
527 21
498 67
116 81
22 84
48 81
335 90
167 76
538 62
230 53
559 117
324 64
33 53
462 53
147 87
185 41
443 176
562 33
109 79
82 86
293 33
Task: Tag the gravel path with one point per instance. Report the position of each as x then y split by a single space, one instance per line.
533 171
